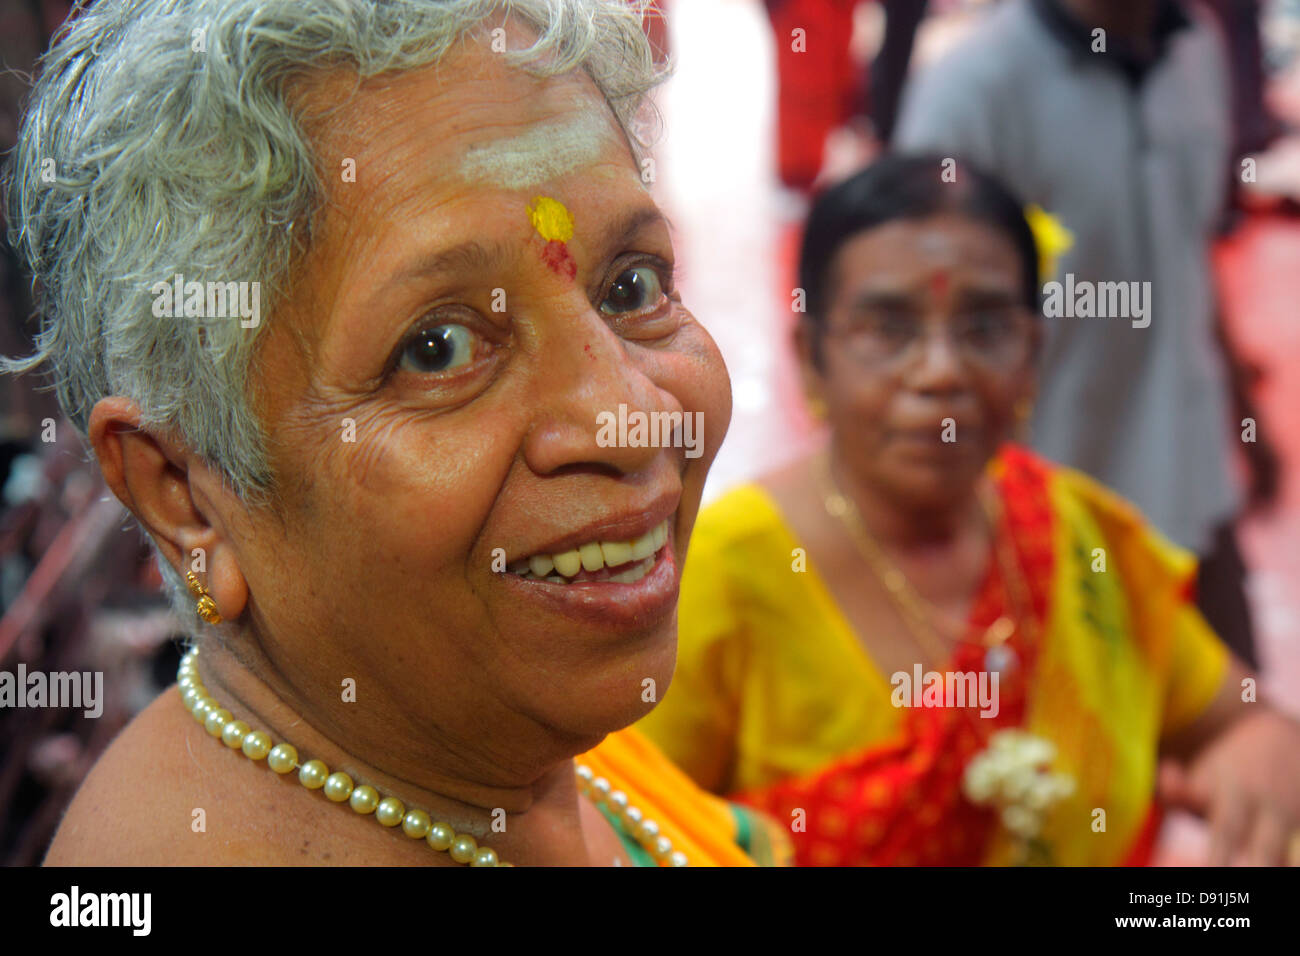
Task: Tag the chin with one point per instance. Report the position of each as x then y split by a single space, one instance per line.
614 693
931 487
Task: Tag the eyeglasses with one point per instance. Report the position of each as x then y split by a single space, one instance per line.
996 338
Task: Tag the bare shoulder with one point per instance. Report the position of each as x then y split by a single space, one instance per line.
166 793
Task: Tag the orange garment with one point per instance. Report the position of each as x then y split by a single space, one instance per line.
707 829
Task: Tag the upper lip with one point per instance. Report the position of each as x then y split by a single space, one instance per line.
626 525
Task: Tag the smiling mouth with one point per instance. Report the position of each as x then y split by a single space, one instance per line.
931 433
618 562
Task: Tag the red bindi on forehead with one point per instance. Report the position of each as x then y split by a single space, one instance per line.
554 225
940 283
559 259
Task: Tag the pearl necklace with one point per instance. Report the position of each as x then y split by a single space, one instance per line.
390 811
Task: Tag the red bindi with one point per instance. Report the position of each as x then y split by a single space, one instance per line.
556 255
939 283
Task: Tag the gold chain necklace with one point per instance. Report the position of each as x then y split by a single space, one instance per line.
916 612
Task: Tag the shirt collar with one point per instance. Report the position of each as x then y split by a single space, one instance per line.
1076 36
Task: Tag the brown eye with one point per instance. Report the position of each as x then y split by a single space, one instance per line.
634 290
893 326
438 349
989 327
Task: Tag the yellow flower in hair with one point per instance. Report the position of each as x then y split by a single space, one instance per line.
1050 236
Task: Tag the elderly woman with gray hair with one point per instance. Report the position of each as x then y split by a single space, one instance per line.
338 293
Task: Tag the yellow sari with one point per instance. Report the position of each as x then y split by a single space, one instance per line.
776 701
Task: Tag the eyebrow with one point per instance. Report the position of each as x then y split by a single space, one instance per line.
893 298
469 256
987 295
622 229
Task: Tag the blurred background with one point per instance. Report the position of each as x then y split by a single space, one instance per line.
746 139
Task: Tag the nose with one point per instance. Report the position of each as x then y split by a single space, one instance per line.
939 368
586 379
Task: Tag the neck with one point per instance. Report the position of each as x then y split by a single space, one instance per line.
1130 19
542 814
918 530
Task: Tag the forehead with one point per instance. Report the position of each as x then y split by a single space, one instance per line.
907 246
471 119
441 152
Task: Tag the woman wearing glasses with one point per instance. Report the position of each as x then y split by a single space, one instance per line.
925 645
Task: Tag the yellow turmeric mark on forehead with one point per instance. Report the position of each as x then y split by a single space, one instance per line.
551 220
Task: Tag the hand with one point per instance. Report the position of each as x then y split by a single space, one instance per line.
1246 784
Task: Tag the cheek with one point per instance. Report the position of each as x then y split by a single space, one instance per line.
403 495
858 400
998 396
694 372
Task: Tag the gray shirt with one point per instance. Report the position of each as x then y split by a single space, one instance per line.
1136 171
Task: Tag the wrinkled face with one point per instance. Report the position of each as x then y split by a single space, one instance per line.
443 394
928 349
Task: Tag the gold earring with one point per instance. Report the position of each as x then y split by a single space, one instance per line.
816 408
205 606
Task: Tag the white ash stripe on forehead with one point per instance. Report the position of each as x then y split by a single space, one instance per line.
544 152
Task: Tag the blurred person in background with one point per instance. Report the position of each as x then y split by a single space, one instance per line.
817 602
820 87
1254 126
1113 115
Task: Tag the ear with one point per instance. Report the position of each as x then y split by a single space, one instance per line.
177 497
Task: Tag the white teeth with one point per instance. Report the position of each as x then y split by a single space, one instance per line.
644 546
592 559
634 573
599 554
616 553
568 563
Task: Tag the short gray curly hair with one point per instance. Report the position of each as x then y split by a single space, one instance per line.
160 139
